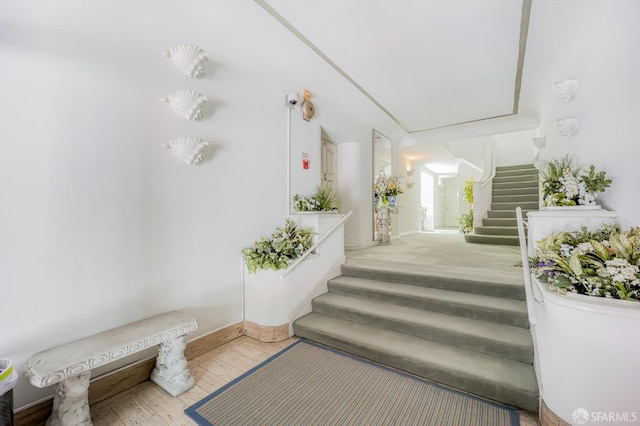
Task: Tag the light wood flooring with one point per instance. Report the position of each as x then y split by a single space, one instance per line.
147 404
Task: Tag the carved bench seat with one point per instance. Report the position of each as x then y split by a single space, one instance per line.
69 365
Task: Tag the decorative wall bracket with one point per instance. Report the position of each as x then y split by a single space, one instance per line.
567 126
188 58
187 103
566 89
188 149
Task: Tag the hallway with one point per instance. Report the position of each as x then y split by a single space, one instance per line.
443 253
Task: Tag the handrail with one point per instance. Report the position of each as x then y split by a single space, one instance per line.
492 168
528 285
295 264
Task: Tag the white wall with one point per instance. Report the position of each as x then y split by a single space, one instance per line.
409 216
515 148
101 225
597 43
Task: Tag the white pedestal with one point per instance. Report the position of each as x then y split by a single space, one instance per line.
383 218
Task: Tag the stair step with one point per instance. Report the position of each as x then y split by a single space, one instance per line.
524 205
496 230
505 341
517 172
516 167
503 240
476 285
499 222
516 184
507 214
492 377
514 178
530 190
515 198
489 308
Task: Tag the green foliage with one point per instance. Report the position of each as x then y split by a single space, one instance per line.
601 263
596 182
468 191
275 252
565 184
322 199
466 222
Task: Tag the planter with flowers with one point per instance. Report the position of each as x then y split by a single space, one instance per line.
586 287
565 183
274 291
386 190
323 199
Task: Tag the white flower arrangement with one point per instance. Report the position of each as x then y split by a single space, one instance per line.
602 263
565 184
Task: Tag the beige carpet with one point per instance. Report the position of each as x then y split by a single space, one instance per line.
309 384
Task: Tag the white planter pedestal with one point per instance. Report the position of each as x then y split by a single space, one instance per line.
586 349
585 346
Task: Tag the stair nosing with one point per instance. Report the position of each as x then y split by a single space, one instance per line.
462 298
449 363
401 314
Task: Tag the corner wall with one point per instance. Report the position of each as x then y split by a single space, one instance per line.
597 43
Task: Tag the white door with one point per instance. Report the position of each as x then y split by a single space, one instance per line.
329 165
451 206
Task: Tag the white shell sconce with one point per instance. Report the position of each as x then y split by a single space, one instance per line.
188 149
188 58
566 89
187 103
567 126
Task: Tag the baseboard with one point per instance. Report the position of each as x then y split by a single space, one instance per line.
112 383
266 334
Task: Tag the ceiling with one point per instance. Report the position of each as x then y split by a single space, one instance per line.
428 64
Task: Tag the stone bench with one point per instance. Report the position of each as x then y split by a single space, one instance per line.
69 365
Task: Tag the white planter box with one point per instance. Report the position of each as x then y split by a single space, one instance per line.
587 354
271 300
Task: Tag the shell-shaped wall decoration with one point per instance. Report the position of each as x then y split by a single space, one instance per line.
187 148
187 103
188 58
567 126
566 89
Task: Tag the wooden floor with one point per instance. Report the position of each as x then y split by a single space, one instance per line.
147 404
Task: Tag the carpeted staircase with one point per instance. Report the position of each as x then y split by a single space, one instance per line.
470 335
513 186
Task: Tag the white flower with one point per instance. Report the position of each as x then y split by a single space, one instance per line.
570 184
619 270
566 250
585 247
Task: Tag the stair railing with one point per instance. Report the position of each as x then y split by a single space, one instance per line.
528 285
321 283
482 190
306 254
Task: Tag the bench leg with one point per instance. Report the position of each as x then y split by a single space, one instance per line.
171 372
71 402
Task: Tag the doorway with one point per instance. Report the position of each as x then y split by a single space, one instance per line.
329 165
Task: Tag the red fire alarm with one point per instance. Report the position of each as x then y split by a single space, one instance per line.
305 164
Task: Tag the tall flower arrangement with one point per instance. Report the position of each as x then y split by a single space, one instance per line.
385 186
602 263
564 183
